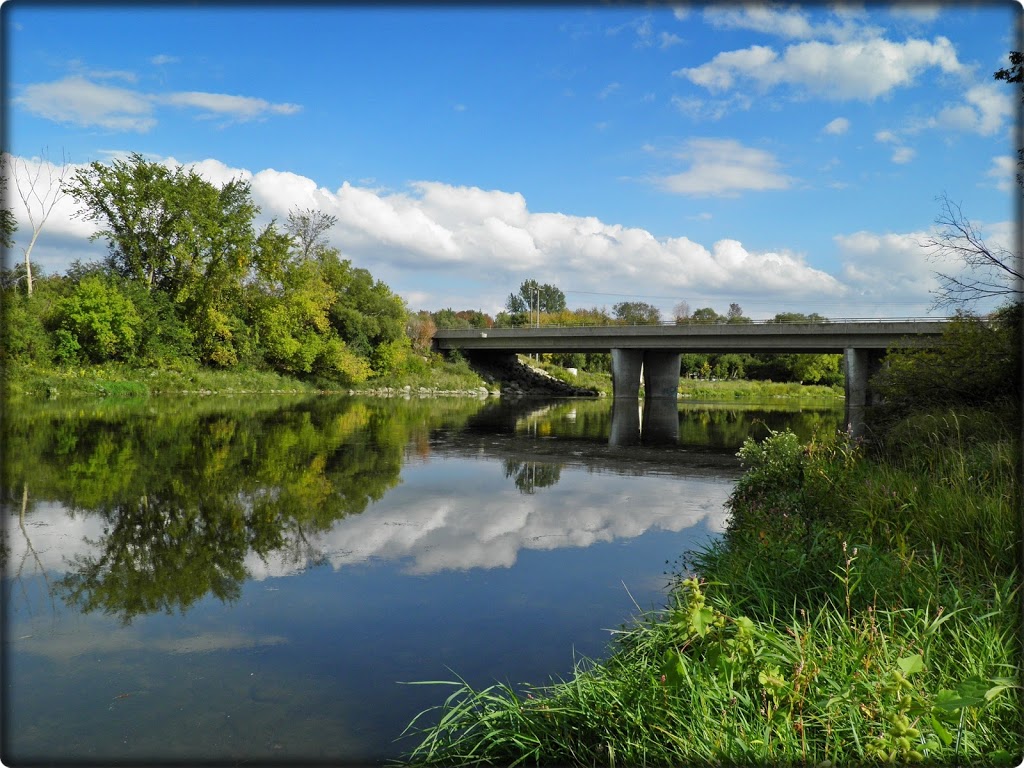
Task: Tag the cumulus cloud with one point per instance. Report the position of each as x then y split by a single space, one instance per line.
985 109
1003 171
430 241
895 271
837 127
77 100
858 69
724 167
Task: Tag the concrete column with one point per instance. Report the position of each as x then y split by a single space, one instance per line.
860 365
661 374
626 366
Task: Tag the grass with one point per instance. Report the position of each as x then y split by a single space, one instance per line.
858 609
119 381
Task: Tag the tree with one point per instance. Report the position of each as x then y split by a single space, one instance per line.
173 231
987 272
308 227
681 313
636 313
706 315
735 314
534 296
39 202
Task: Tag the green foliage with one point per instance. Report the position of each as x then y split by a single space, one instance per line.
100 319
535 297
636 313
978 362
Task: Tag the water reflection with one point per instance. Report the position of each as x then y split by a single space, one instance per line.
256 576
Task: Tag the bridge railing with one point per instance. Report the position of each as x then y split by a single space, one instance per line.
622 324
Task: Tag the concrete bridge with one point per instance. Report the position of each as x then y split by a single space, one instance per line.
653 351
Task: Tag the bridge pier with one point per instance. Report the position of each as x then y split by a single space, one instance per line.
660 371
860 365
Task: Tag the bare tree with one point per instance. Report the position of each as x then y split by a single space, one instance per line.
38 195
681 312
987 271
308 227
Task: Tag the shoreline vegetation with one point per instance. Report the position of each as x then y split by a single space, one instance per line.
437 375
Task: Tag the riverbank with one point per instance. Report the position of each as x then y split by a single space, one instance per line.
859 608
433 376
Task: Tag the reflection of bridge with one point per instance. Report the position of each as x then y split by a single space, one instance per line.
655 349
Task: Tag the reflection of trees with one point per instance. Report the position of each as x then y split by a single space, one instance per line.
530 475
187 493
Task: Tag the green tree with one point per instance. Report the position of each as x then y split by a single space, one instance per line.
735 314
175 232
706 315
534 296
100 320
636 313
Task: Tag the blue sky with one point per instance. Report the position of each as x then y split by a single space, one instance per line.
783 157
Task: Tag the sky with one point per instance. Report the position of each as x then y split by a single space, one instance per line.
782 157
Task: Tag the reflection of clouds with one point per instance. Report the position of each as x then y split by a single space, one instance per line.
434 529
54 536
455 514
66 645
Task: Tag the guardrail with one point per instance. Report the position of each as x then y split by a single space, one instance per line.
621 324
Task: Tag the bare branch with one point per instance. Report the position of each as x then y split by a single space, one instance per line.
987 272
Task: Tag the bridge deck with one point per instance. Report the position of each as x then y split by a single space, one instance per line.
829 337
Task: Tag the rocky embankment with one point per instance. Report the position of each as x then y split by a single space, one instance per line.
517 379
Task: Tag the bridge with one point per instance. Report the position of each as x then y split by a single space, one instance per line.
653 351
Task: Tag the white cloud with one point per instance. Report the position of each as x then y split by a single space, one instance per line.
988 106
667 40
895 271
859 69
837 127
680 12
80 101
724 167
887 137
790 22
903 155
1004 171
431 236
162 59
239 107
711 109
608 90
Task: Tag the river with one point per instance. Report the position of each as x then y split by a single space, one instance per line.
224 580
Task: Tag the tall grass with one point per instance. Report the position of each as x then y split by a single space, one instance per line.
857 610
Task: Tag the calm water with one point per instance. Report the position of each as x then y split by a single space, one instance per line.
256 580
